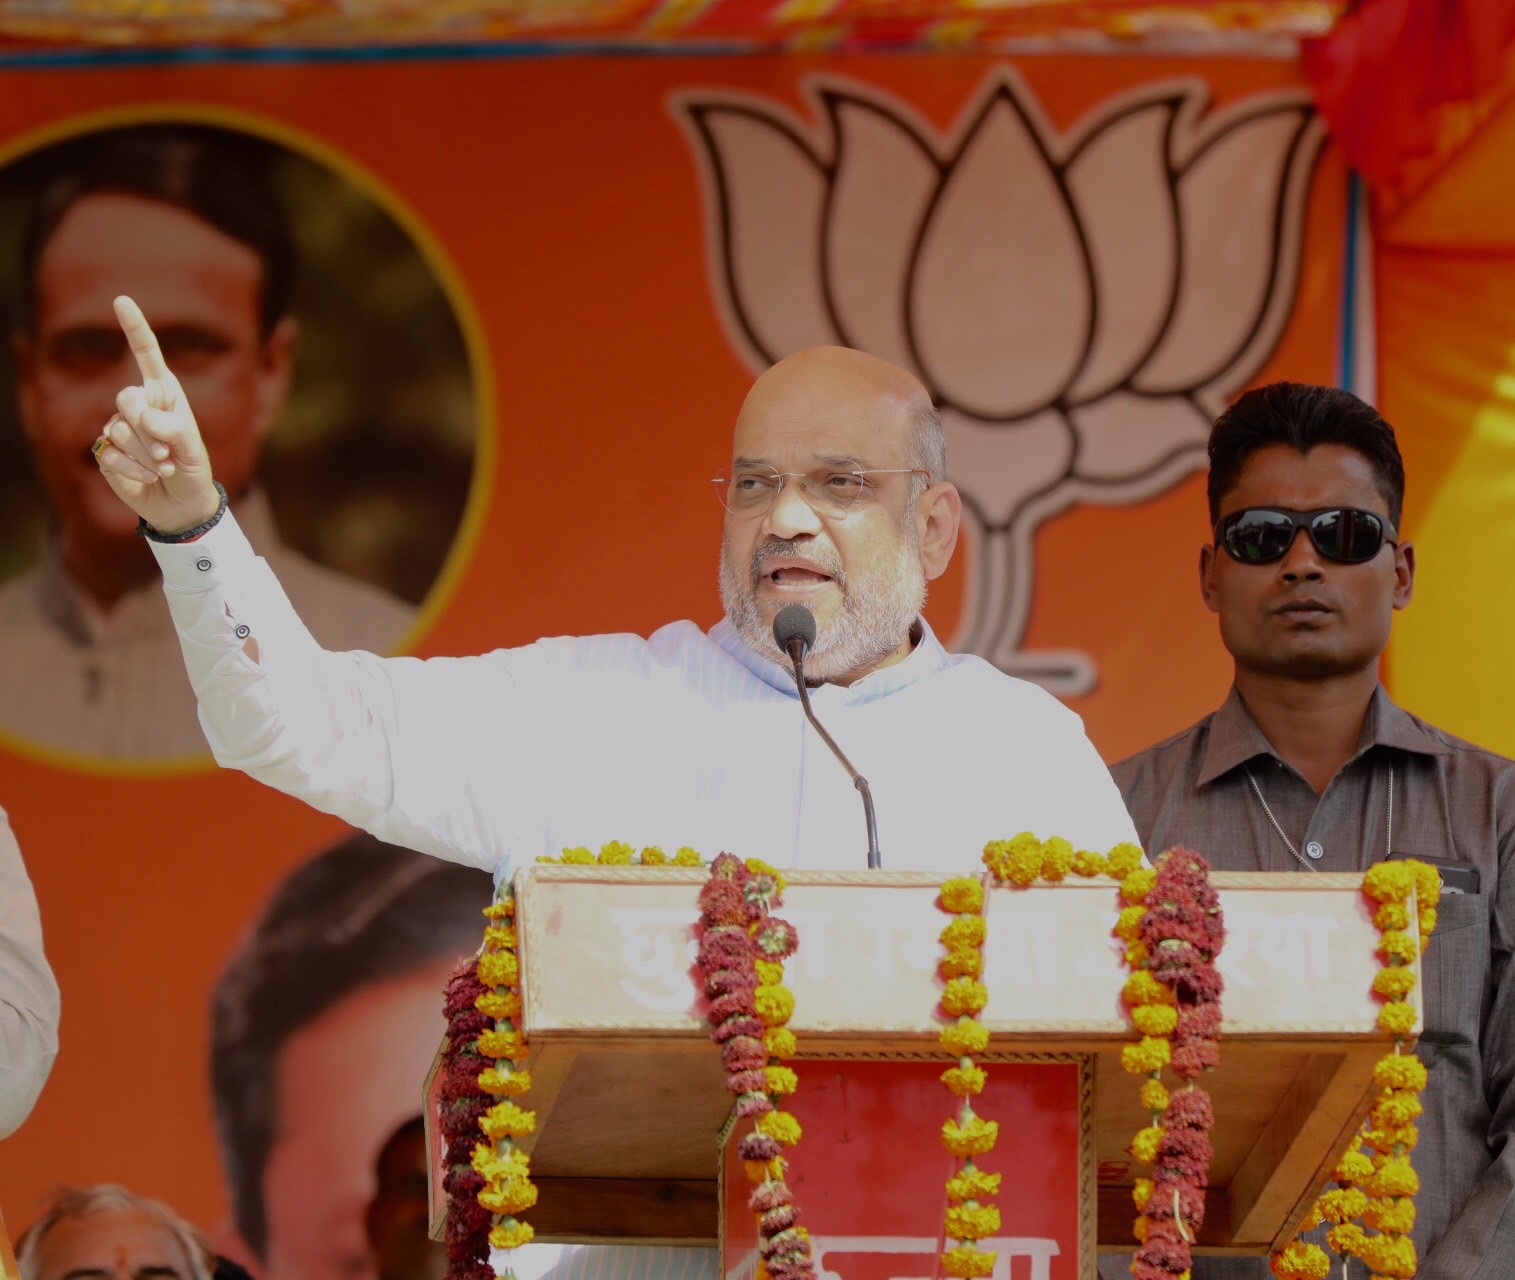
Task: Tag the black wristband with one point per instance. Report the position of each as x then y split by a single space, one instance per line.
186 535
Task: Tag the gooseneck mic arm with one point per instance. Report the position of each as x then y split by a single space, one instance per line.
794 633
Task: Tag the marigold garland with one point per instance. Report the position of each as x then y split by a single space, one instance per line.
742 947
1171 924
1174 1001
1377 1191
488 1181
969 1217
619 854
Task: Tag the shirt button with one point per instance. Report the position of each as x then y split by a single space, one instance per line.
1315 850
203 565
243 631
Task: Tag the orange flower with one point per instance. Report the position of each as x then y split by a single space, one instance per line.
965 962
774 1005
780 1042
510 1235
963 896
499 1004
964 1080
971 1137
963 932
961 995
968 1263
506 1120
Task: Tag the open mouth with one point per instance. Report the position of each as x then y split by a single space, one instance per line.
796 576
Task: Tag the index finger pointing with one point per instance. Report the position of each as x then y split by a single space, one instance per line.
141 339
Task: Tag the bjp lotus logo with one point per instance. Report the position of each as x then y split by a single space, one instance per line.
1080 304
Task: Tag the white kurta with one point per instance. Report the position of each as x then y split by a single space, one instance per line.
683 738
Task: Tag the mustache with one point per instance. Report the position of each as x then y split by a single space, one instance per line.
824 557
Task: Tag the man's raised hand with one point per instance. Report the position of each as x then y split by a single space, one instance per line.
150 452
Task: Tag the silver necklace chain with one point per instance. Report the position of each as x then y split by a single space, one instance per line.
1388 844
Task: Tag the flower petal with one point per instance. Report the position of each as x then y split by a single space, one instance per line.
765 196
1123 437
1000 307
1241 208
884 181
1119 183
999 467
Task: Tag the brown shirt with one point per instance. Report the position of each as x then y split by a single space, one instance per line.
1450 800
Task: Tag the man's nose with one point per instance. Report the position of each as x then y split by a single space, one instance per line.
791 515
1302 561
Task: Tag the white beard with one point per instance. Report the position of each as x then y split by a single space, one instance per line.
874 620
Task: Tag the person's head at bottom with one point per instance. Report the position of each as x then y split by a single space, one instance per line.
836 498
1307 567
325 1022
107 1233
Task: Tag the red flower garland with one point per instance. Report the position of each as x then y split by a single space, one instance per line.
1182 931
737 935
463 1103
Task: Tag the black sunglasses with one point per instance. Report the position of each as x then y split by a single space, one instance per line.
1261 535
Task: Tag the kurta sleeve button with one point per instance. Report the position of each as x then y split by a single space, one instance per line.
243 631
204 565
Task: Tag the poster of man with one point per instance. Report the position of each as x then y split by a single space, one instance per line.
260 262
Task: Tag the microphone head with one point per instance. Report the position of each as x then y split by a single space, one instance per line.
794 622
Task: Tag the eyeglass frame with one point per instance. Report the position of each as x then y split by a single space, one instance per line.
1387 533
802 476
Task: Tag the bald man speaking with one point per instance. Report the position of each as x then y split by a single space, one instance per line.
836 498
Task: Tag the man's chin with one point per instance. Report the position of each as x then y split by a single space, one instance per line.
1306 663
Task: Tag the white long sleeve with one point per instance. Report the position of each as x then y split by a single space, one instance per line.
685 737
29 1004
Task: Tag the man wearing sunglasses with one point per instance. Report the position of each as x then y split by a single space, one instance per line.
1309 766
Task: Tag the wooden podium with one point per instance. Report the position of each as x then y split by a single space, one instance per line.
630 1098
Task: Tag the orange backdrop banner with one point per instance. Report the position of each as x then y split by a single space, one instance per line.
572 268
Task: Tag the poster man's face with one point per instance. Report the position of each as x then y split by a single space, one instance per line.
200 289
344 1084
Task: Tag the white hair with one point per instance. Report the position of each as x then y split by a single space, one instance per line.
81 1202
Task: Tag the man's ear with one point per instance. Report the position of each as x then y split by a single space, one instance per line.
1207 592
276 370
1404 573
939 513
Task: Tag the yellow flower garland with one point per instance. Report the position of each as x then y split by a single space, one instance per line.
619 854
969 1219
1378 1191
508 1190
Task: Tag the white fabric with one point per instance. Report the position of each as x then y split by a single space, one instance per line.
685 738
28 992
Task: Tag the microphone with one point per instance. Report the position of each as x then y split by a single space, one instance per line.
794 633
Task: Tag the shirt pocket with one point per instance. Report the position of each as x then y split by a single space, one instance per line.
1455 968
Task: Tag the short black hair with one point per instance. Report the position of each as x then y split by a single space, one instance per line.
1302 416
359 913
222 177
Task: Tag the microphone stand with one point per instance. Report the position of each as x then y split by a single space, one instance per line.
796 649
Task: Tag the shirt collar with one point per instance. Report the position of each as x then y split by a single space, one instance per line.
1234 738
926 658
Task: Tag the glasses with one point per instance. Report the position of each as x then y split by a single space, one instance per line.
1261 535
746 491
